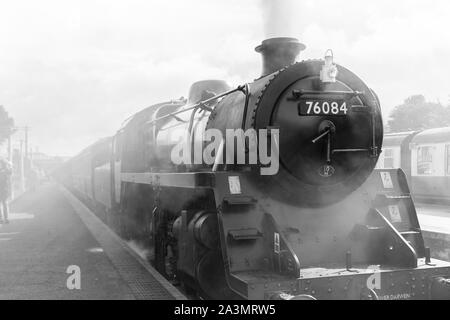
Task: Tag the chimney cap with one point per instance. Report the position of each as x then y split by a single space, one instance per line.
274 42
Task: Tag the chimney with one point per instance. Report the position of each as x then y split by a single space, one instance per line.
278 53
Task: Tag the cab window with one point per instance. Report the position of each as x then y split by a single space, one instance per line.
425 160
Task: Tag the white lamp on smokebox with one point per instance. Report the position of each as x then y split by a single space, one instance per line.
329 70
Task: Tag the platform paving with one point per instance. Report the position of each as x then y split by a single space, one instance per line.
45 236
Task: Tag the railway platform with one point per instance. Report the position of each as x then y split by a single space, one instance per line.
435 218
55 248
435 223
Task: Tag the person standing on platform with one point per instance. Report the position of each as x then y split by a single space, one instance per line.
5 189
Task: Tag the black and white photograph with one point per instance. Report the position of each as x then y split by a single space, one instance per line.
225 158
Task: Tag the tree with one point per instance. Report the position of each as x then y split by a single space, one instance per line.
418 114
6 125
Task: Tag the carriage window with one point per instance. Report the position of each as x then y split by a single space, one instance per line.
388 158
425 161
447 157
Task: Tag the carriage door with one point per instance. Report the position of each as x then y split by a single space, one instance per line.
389 158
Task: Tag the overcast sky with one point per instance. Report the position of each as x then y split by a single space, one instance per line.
74 70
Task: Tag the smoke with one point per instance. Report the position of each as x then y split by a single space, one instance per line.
139 249
278 18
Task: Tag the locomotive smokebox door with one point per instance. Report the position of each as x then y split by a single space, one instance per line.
326 132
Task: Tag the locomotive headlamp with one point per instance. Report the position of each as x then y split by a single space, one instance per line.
329 70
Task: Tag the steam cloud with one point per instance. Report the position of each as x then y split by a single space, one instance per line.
139 249
278 18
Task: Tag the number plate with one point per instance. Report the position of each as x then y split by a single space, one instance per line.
321 107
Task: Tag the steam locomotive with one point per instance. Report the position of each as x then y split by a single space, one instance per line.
325 225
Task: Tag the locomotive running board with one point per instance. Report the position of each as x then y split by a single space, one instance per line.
177 180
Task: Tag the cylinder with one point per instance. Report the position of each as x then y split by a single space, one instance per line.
206 230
